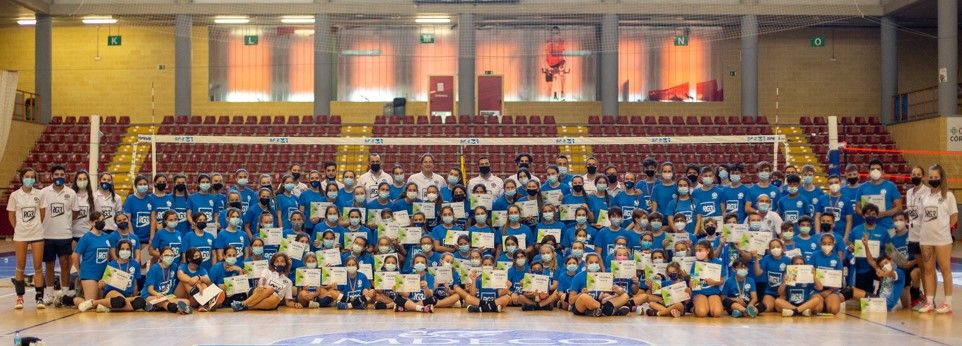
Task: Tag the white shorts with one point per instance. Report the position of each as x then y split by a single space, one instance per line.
942 237
28 235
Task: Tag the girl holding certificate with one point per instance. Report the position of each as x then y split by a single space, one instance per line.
827 259
440 231
537 300
706 298
357 290
273 288
481 299
592 300
316 296
423 299
581 224
514 227
740 296
118 299
448 294
193 279
160 284
90 258
772 267
673 275
231 266
800 298
563 277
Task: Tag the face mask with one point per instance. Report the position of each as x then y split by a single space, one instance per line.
103 186
722 174
452 179
514 217
755 225
257 250
673 276
464 248
693 178
827 249
332 218
297 225
485 170
899 225
419 224
480 218
348 182
82 184
267 225
807 179
311 265
707 180
328 243
548 215
592 169
852 181
629 184
375 167
265 201
360 198
577 253
383 194
571 268
532 192
875 174
735 178
764 175
593 267
826 227
741 272
426 247
934 183
710 230
916 181
315 184
419 267
475 262
521 261
682 253
235 205
172 224
788 235
399 177
390 267
656 225
563 170
28 182
411 194
124 254
680 226
612 178
792 190
180 187
204 186
581 220
355 221
168 260
510 248
230 260
447 219
805 230
601 187
99 225
776 251
523 165
351 270
432 197
242 181
61 181
701 255
683 190
383 249
357 247
289 187
523 181
201 225
578 188
546 257
763 207
615 221
553 179
870 220
887 267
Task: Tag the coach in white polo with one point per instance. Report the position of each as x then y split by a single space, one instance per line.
60 202
374 176
426 177
491 182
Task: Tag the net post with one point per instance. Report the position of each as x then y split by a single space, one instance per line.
775 144
93 161
832 133
153 157
834 153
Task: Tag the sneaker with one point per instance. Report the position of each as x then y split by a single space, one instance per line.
594 313
943 309
676 313
926 308
917 304
19 304
57 298
788 312
474 308
622 311
40 304
736 314
807 313
397 308
48 297
101 308
86 305
528 307
428 309
238 306
148 307
184 308
313 305
457 305
651 313
752 311
642 309
342 306
547 308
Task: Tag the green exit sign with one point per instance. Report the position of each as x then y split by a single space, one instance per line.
251 40
681 40
817 41
427 38
113 40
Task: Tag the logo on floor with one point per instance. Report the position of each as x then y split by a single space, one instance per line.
460 337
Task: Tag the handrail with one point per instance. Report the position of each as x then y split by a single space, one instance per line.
26 106
917 104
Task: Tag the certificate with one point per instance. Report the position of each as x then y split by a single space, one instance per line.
442 275
552 197
333 276
389 231
426 208
482 200
207 294
407 283
494 278
458 209
521 241
374 216
295 250
684 262
759 242
347 210
401 218
877 200
305 277
499 218
859 248
799 275
624 269
603 218
329 257
319 209
482 240
254 269
829 277
365 268
793 252
116 277
733 232
600 282
567 212
349 238
535 283
236 284
707 271
675 293
409 235
674 238
379 260
556 232
271 236
451 238
528 208
384 280
873 305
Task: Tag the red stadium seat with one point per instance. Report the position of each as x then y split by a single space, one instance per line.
223 120
265 120
521 120
507 120
168 120
593 120
251 120
280 120
209 120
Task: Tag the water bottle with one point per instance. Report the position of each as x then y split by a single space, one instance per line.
17 339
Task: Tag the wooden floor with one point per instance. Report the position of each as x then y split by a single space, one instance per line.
456 326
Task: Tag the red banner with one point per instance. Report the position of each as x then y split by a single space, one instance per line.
441 95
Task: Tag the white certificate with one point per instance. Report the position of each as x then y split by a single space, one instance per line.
401 218
759 242
552 197
482 240
684 262
207 294
568 211
482 200
458 209
494 278
384 280
873 305
389 231
374 217
733 232
305 277
426 208
379 260
829 277
349 238
675 293
410 235
116 277
535 283
603 218
254 269
499 218
859 248
624 269
528 208
799 275
333 276
271 236
236 284
366 269
442 275
407 283
451 238
319 209
295 250
707 271
556 232
600 282
329 257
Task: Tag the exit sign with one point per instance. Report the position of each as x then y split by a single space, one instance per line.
427 38
681 40
817 41
113 40
250 40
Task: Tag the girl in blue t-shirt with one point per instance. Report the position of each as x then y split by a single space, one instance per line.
193 278
772 267
673 274
707 300
316 296
118 299
200 240
160 283
595 303
231 265
480 299
439 233
800 298
740 297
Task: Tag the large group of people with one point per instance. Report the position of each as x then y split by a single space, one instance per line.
667 241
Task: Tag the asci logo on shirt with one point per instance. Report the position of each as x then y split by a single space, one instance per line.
143 218
460 337
56 209
103 254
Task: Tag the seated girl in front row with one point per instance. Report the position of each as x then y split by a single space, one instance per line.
273 288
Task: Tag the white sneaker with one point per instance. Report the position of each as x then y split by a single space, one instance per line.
313 305
926 308
86 305
57 298
943 309
788 312
807 313
101 308
48 297
457 305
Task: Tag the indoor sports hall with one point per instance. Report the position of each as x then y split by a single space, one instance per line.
480 172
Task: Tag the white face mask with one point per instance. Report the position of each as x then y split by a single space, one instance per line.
680 226
827 249
834 188
875 174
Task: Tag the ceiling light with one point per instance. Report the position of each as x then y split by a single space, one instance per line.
27 21
432 20
297 20
231 20
99 20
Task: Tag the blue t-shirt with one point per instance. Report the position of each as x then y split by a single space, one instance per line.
811 197
116 237
305 200
792 208
206 203
94 251
419 296
850 194
355 286
808 246
131 268
604 240
838 206
204 243
564 278
287 204
877 233
628 204
165 238
685 207
734 198
522 229
201 271
236 239
160 204
709 201
162 280
180 204
755 190
569 234
138 209
218 272
248 196
739 289
883 191
662 195
775 272
645 195
440 232
253 217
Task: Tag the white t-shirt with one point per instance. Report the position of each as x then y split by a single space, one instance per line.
370 181
324 184
514 177
81 224
58 221
934 215
27 206
913 202
423 182
773 223
108 207
590 184
494 184
281 284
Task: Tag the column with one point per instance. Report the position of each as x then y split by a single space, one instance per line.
890 72
749 65
609 64
183 24
466 73
43 65
949 57
323 66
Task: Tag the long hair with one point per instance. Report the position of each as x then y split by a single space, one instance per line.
943 188
88 189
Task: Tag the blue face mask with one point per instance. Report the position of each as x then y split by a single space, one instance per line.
59 181
481 218
645 244
332 195
655 225
581 220
593 267
571 268
577 253
419 267
464 248
514 217
258 250
328 243
315 184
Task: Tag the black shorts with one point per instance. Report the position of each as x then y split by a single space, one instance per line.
915 250
56 248
866 282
